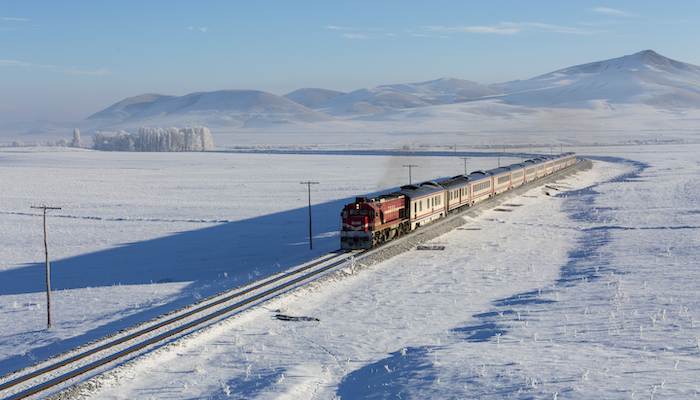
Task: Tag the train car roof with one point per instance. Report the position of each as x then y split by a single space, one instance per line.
478 175
430 183
513 167
499 170
459 180
413 191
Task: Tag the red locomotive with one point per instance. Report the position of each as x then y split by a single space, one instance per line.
369 222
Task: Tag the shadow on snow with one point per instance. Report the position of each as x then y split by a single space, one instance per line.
211 260
387 378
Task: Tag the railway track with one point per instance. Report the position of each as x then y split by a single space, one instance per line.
60 372
54 375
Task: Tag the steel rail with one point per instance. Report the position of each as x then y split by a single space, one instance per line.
168 334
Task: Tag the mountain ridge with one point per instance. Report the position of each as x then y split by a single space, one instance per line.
643 79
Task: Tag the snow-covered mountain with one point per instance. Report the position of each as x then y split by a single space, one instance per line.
402 96
310 96
642 78
640 91
237 108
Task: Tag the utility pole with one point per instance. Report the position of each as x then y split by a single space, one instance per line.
409 172
465 164
309 183
48 270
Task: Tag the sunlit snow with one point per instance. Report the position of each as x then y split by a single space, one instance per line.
588 292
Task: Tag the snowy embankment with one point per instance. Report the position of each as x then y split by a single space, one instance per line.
590 293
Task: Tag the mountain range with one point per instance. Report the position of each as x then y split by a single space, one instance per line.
642 79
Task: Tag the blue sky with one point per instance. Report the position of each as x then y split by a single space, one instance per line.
66 60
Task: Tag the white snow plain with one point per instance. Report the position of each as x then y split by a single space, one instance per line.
585 289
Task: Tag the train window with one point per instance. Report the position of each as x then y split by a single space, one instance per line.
415 209
420 205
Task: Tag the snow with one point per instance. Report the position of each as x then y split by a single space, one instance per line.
583 289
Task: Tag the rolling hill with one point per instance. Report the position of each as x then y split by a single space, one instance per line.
641 92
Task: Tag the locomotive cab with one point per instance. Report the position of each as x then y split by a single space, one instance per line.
369 222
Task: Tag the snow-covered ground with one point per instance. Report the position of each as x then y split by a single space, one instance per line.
141 234
587 293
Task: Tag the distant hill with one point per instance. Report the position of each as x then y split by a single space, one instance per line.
642 78
310 96
236 108
642 91
403 96
130 107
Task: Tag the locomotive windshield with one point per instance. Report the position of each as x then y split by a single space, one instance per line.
358 212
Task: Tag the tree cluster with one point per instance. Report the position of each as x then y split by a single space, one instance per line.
197 138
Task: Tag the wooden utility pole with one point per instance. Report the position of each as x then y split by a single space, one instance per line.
48 269
409 172
465 164
309 183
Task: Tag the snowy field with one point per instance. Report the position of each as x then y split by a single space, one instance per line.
590 293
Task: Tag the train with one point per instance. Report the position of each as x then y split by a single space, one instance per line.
369 222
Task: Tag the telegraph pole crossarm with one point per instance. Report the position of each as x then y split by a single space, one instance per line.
48 270
309 183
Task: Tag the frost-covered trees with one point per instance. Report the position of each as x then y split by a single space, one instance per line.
77 142
197 138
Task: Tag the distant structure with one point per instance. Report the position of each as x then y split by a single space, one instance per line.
197 138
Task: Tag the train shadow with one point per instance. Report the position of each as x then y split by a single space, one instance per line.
238 251
208 261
